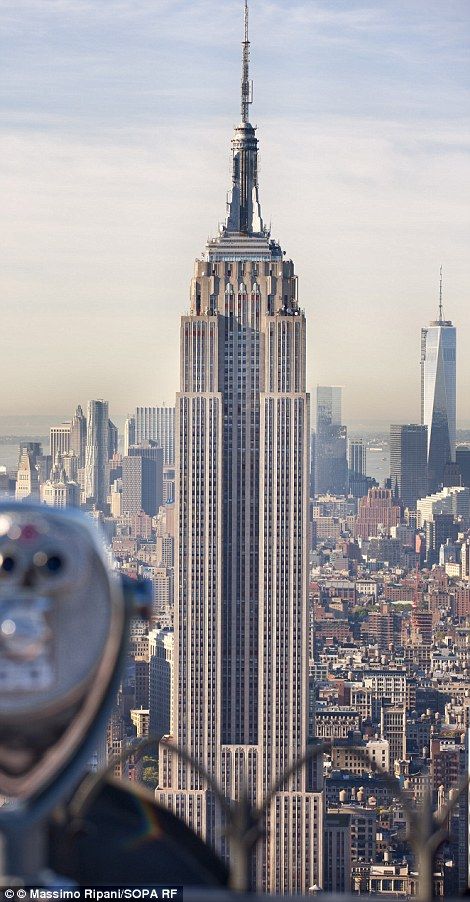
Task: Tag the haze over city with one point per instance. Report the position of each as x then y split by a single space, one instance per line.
117 161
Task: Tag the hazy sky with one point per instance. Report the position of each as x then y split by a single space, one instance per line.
115 163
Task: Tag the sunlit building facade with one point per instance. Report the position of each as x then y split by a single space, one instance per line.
78 432
156 424
59 442
27 478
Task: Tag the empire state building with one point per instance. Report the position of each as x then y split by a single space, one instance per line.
242 491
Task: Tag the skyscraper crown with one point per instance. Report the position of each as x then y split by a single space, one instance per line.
243 234
244 211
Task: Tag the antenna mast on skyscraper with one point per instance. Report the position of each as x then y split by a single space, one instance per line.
247 85
440 295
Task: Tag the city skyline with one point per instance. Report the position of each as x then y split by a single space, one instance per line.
100 169
303 623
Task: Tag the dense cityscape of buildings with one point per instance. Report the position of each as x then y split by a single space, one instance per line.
294 598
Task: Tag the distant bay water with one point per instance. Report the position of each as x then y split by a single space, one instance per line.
378 462
32 428
35 428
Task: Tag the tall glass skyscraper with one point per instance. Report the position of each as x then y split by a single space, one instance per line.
357 479
331 462
78 428
242 495
462 457
97 453
408 462
438 395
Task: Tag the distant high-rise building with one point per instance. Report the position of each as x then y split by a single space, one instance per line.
438 395
241 509
27 479
465 561
312 463
408 462
437 531
129 433
462 458
96 455
157 424
142 479
350 837
113 439
154 451
169 477
115 498
358 481
357 456
421 626
376 514
337 853
59 490
331 465
454 500
70 465
43 465
452 474
163 597
60 439
148 449
78 430
161 643
393 728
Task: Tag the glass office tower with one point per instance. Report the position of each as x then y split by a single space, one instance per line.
438 395
331 464
408 459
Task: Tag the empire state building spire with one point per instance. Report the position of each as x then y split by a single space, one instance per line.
244 211
247 84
